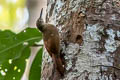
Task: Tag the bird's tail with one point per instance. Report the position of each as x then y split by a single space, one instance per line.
59 65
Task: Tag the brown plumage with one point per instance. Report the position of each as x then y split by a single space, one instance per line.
51 42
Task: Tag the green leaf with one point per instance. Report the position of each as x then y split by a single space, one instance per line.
30 35
11 44
15 68
15 50
35 71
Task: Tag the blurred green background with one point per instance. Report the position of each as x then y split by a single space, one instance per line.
12 13
15 15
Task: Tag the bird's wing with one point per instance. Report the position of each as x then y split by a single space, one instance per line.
52 45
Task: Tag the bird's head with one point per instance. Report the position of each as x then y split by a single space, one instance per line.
40 22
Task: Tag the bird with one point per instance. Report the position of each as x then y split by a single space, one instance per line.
51 41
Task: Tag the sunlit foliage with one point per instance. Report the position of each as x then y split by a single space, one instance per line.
11 14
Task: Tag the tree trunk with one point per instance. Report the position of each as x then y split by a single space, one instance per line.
90 39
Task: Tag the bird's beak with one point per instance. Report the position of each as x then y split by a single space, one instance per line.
41 13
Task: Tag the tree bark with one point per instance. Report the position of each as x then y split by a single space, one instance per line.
90 39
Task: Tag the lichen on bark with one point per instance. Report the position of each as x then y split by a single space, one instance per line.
90 37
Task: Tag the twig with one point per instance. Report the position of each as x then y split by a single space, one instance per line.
37 45
107 66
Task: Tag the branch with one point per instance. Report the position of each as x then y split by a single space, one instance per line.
107 66
37 45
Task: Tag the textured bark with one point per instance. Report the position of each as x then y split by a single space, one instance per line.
90 39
